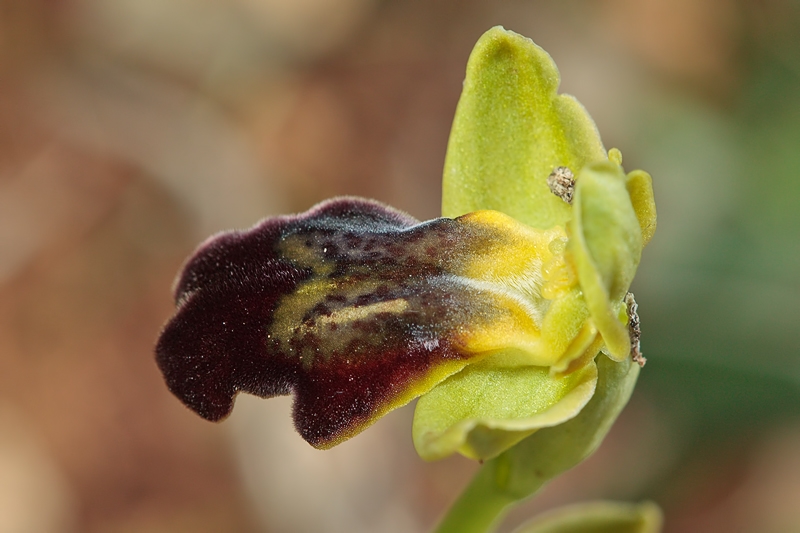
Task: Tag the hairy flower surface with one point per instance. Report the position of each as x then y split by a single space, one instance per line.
354 307
494 319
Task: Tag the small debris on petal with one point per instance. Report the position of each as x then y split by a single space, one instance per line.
562 183
635 330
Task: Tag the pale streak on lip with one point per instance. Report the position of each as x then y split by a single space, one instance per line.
351 314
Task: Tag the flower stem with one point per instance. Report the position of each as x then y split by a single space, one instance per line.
480 506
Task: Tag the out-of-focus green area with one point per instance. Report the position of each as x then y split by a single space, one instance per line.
132 129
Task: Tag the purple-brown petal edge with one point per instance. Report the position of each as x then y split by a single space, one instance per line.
221 340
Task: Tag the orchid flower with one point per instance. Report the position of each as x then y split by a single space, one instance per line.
509 317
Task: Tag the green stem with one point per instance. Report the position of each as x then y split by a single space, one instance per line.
480 507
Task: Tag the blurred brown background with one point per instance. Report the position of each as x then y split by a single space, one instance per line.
132 129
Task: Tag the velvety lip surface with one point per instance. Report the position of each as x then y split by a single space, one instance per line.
353 307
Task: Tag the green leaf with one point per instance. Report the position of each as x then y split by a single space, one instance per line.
482 411
511 129
598 517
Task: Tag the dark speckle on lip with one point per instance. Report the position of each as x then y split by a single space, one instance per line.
349 306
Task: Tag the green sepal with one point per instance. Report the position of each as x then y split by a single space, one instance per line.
484 409
598 517
522 470
605 245
551 451
511 129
